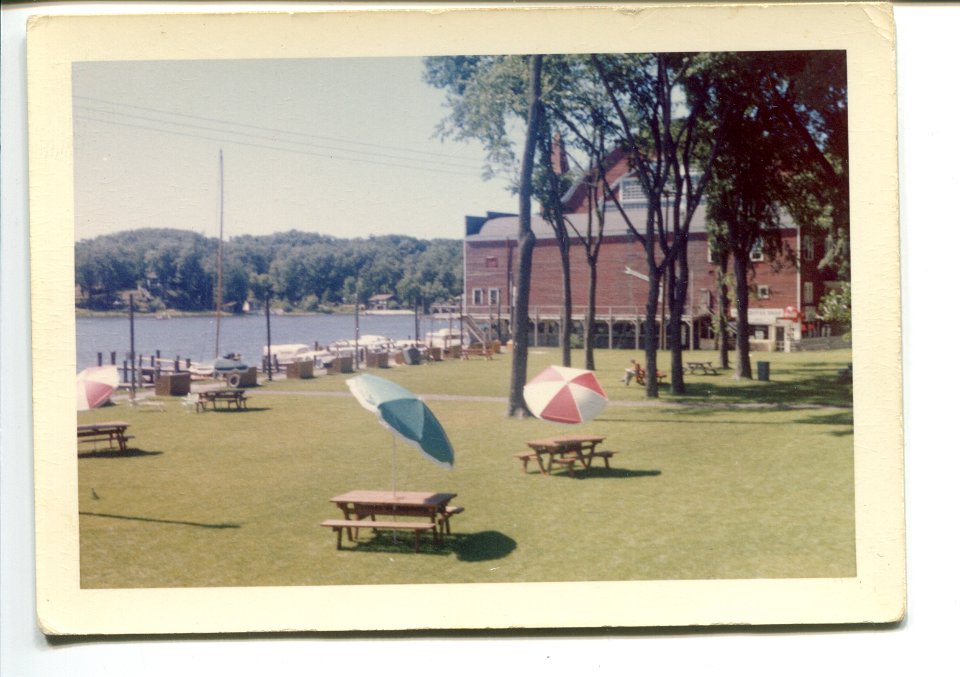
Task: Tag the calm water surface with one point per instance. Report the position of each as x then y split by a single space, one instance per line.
194 337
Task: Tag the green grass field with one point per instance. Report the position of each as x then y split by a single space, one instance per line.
735 480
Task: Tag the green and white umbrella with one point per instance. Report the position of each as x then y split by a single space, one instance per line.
405 415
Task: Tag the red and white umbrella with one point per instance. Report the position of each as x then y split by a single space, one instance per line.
565 395
95 385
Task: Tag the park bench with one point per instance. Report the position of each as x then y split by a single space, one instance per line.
704 367
525 457
338 525
148 404
446 514
466 353
639 374
641 377
606 455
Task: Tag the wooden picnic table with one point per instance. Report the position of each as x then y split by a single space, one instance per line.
234 397
565 450
361 507
704 367
112 432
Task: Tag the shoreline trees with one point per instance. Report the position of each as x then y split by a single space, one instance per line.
176 270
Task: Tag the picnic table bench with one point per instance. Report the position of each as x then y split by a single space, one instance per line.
111 432
362 507
566 452
704 367
354 524
232 397
466 353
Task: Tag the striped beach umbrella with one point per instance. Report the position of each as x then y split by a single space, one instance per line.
565 395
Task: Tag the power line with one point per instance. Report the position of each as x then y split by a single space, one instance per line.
271 147
259 128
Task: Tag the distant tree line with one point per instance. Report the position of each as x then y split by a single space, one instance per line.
171 269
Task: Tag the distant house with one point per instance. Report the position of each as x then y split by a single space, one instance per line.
380 302
783 304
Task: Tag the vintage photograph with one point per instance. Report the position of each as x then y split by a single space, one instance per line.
473 319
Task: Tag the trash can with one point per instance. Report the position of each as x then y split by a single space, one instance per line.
763 371
173 385
411 356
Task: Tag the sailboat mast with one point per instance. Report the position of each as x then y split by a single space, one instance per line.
216 350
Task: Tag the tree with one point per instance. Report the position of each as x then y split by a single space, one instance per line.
486 95
525 243
578 102
666 140
770 161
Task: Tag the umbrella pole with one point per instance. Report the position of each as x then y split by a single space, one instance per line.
394 466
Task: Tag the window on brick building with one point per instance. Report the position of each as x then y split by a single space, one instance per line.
763 291
631 194
807 248
494 295
756 252
478 297
808 292
491 262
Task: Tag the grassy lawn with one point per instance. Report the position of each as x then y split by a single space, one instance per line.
705 486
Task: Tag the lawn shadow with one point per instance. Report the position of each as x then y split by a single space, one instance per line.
611 473
840 418
234 410
478 547
820 387
482 546
225 525
116 453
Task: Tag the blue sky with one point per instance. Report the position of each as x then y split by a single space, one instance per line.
338 146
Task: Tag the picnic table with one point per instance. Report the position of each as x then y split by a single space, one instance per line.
234 397
704 367
361 507
565 451
111 432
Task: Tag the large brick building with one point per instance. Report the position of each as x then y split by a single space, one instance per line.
783 304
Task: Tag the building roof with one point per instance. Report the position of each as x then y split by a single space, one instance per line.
505 227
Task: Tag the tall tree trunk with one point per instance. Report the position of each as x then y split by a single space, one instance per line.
740 266
652 336
525 240
678 300
567 320
553 212
589 330
723 312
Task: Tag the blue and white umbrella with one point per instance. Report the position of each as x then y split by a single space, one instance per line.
405 415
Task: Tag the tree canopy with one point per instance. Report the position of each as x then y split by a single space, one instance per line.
301 271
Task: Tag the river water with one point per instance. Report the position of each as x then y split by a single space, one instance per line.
194 337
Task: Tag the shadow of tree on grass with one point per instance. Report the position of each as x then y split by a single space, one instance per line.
225 525
116 453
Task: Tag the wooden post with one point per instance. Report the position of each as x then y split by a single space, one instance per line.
269 344
133 375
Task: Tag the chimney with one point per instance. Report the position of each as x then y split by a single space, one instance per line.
558 156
